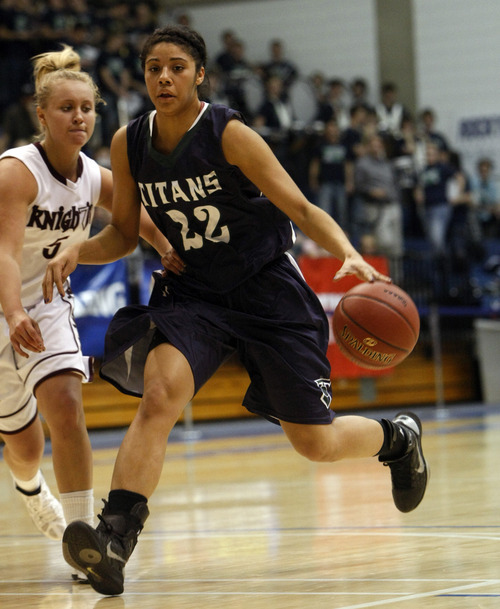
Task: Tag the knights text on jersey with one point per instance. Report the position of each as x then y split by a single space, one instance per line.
223 228
60 215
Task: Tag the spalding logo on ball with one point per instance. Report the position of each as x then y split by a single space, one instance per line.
376 325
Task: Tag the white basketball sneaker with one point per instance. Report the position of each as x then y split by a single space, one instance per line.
45 511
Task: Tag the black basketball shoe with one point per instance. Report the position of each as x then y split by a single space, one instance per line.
103 552
410 472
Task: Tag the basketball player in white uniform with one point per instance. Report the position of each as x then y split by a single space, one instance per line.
48 192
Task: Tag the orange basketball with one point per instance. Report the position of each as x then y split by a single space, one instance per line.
376 325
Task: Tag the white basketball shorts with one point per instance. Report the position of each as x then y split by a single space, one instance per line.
19 376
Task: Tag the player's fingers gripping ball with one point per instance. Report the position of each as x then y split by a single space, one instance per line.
376 325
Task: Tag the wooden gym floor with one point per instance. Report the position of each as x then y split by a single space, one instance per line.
239 520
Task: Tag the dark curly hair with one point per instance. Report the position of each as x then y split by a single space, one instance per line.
180 35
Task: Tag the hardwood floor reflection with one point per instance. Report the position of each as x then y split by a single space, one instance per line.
239 520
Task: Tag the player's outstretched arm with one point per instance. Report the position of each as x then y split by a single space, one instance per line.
244 148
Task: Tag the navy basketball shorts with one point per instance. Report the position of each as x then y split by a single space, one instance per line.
273 321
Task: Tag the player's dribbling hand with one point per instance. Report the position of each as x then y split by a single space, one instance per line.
356 265
58 270
25 334
172 262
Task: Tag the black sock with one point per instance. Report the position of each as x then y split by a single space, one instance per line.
123 501
395 441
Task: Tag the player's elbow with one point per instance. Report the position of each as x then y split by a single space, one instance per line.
303 213
130 245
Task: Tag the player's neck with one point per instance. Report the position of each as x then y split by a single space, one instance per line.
64 162
170 129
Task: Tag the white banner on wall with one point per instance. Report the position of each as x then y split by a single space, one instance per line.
478 137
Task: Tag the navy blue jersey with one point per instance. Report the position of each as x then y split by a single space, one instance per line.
241 293
215 218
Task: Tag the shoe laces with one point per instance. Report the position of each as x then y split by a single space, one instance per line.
109 528
102 519
46 512
43 504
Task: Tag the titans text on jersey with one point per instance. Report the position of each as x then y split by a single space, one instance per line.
167 193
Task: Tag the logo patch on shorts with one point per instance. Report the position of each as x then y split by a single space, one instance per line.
326 389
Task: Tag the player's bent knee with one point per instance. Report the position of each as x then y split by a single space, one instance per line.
160 406
317 454
317 451
153 404
316 442
65 415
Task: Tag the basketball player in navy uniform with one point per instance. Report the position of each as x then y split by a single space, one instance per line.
216 191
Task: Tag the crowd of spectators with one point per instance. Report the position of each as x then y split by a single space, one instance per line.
388 177
106 34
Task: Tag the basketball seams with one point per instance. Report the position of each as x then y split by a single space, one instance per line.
379 328
371 333
382 302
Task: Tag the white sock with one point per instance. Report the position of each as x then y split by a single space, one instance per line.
78 505
29 485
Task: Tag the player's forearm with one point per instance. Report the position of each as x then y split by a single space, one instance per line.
10 287
108 245
150 233
159 242
322 228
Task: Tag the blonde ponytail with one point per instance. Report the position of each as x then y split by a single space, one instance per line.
56 65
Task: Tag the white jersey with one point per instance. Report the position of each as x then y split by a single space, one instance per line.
60 215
